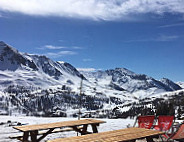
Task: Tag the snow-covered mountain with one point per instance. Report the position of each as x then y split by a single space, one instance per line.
181 84
33 70
37 70
121 79
37 84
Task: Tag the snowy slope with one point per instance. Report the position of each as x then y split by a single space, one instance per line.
123 81
181 84
33 70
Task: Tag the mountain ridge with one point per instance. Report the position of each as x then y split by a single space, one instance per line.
12 60
40 85
119 78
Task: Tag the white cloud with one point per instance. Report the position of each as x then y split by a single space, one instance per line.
159 38
171 25
86 69
167 38
60 54
61 40
93 9
87 60
77 47
54 47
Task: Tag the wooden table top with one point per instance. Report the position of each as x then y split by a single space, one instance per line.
113 136
57 125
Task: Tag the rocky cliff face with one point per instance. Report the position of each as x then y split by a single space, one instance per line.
11 59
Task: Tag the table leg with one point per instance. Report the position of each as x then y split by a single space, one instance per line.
25 136
149 139
34 136
84 130
94 127
45 134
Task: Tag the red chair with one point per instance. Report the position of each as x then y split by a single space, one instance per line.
164 123
178 135
145 121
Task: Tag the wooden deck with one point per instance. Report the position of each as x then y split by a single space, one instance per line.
123 135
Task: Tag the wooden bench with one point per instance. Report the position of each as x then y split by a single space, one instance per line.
123 135
58 130
32 131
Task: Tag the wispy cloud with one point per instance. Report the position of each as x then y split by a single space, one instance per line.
61 40
87 60
166 38
53 47
60 51
137 40
60 54
77 47
171 25
93 9
159 38
87 69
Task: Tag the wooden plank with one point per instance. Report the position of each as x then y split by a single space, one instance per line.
57 125
106 135
122 135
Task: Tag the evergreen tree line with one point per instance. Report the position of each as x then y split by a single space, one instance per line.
55 102
173 105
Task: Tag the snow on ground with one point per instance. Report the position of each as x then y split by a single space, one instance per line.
165 95
6 130
141 94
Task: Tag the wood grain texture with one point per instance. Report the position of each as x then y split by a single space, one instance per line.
122 135
57 125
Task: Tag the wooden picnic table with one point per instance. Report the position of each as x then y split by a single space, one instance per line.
80 126
123 135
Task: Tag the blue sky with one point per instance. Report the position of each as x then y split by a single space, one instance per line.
146 37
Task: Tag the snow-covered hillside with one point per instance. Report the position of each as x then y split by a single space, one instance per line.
37 85
181 84
33 70
135 85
